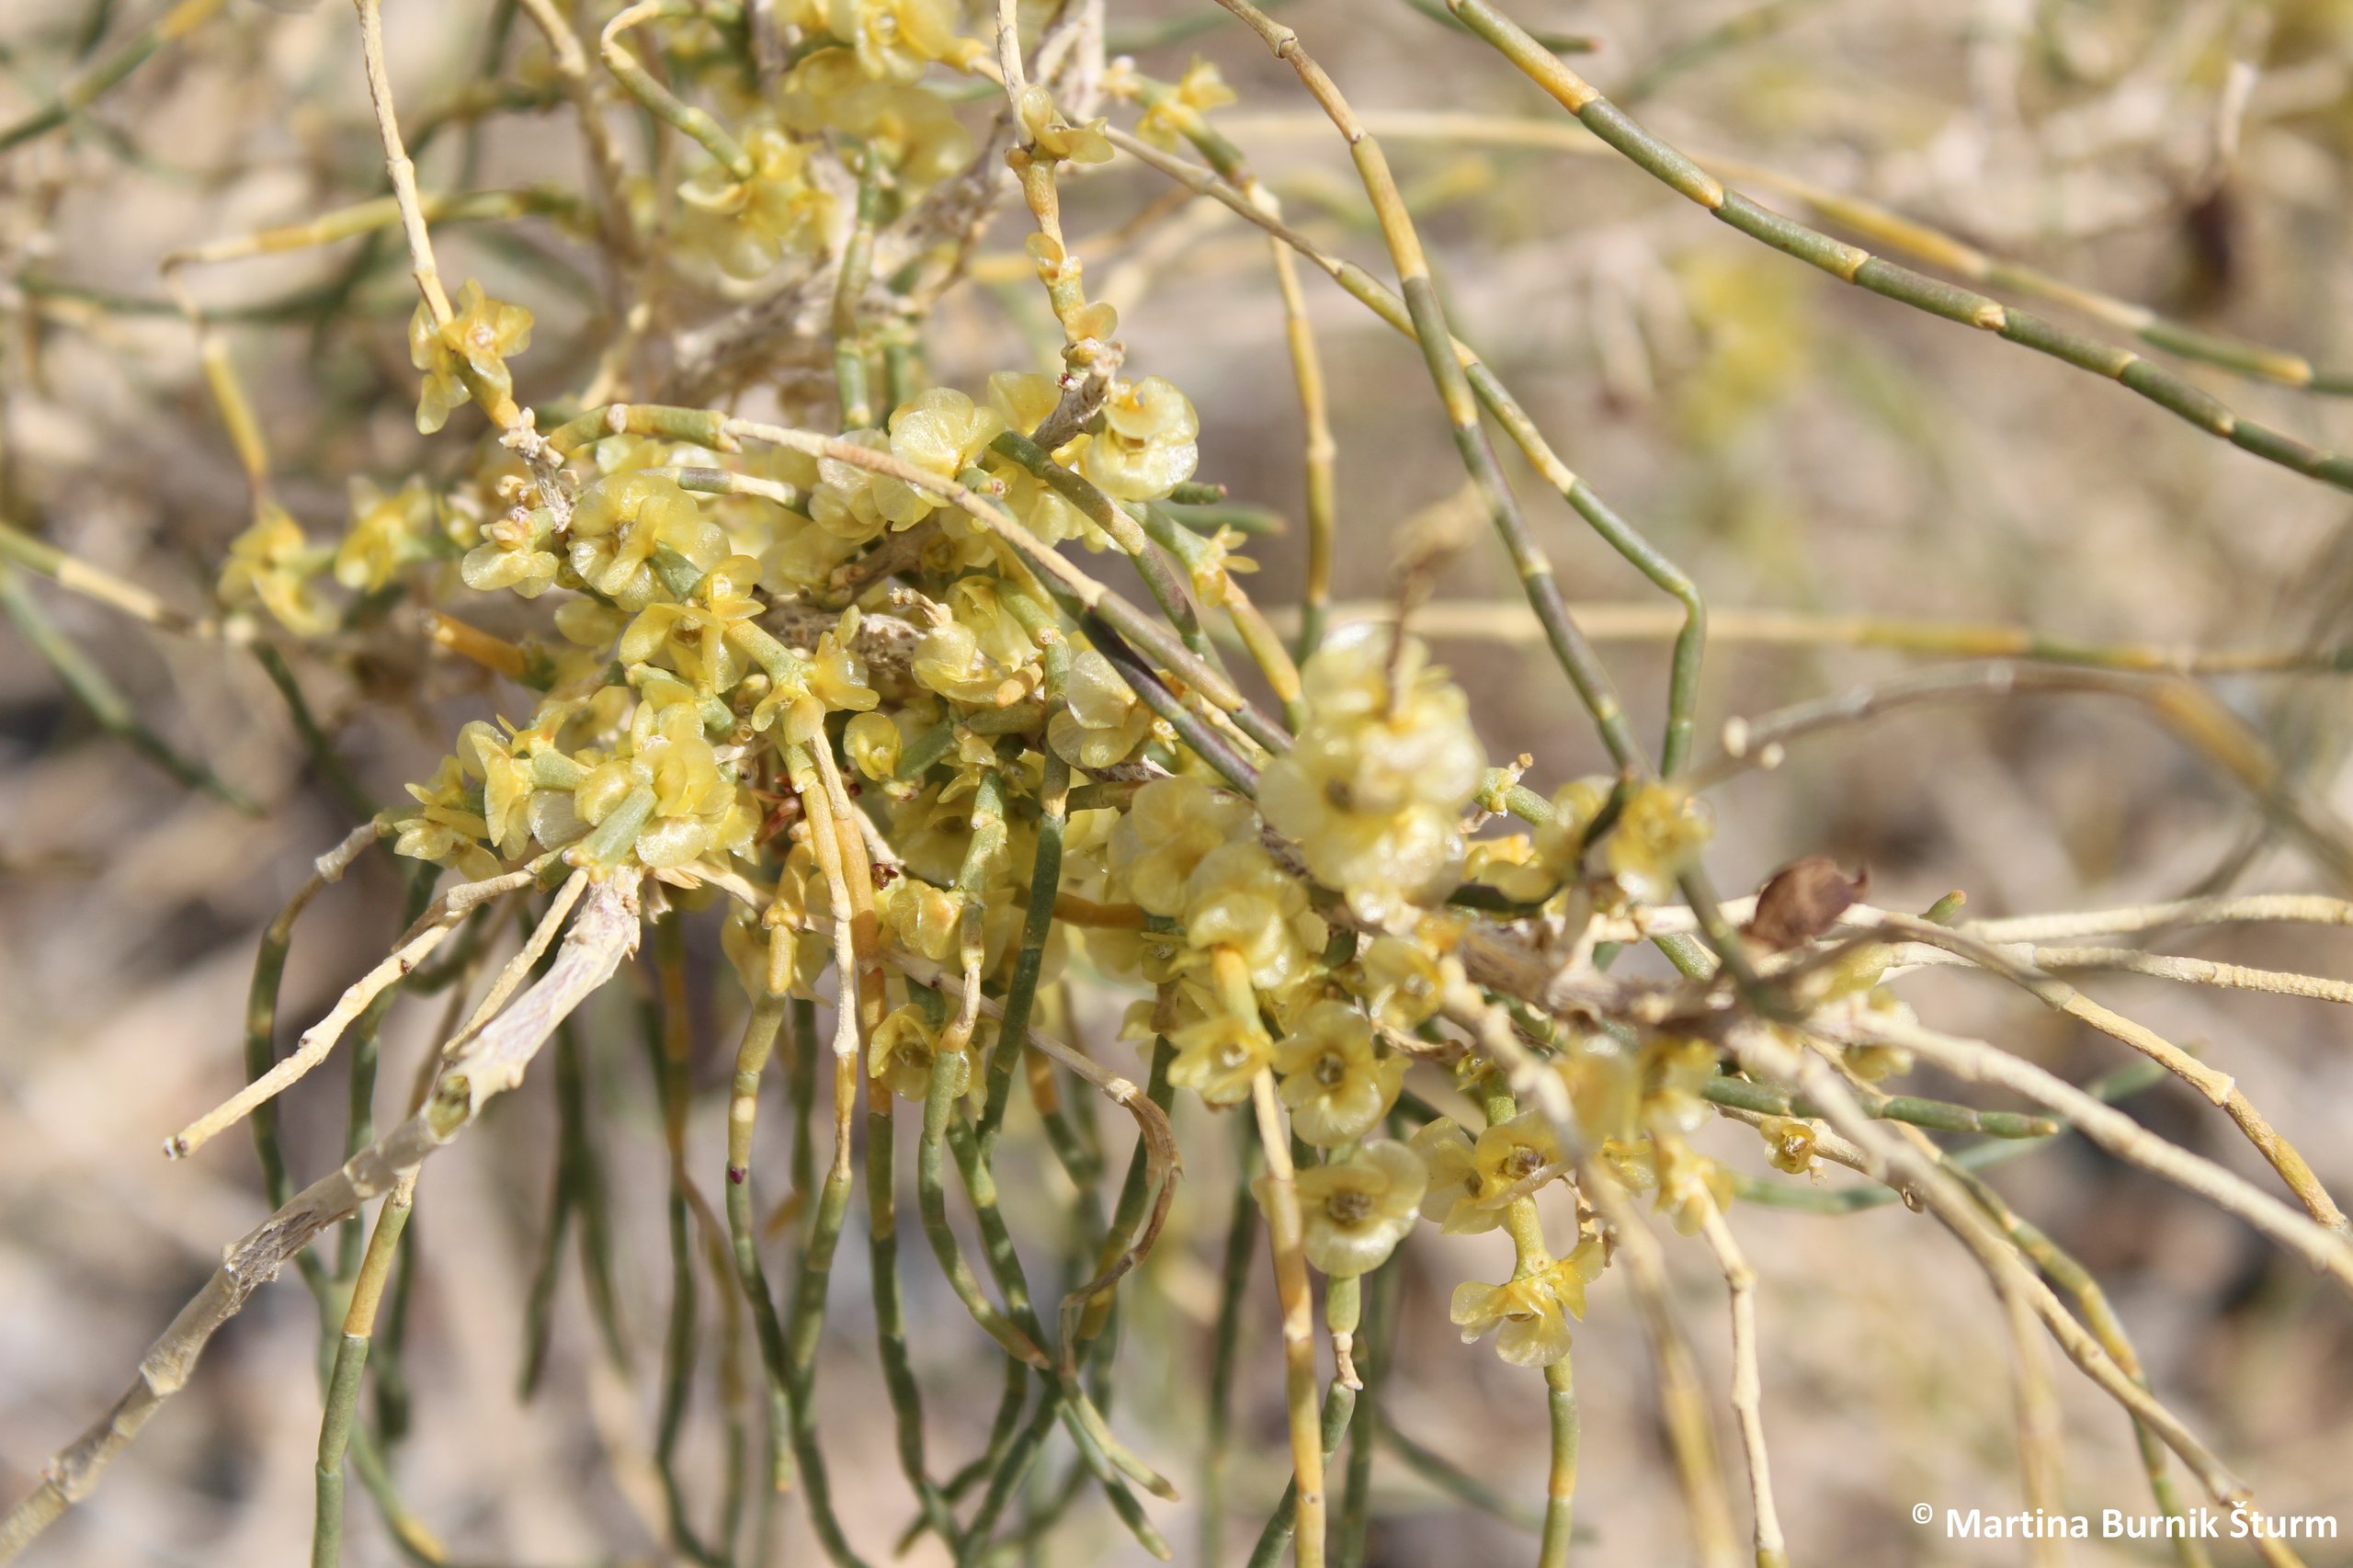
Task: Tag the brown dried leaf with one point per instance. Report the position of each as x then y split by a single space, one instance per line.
1801 901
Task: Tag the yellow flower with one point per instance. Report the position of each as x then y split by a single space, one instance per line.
1789 1143
1219 1057
901 1053
274 562
1689 1183
1354 1212
1659 833
514 555
1605 1084
447 827
1400 981
1531 1312
948 660
1511 866
478 339
872 744
1574 806
1469 1182
1452 1193
894 40
691 637
667 780
1171 825
485 754
912 129
746 226
387 532
1146 446
1239 898
942 432
623 520
1102 721
1337 1087
1166 120
1675 1074
1374 788
1048 135
921 917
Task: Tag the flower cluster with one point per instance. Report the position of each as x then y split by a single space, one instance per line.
1375 788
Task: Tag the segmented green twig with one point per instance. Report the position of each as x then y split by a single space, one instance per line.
1851 264
1942 1115
88 85
889 1323
1451 1480
105 702
350 1364
1234 1279
849 294
1037 920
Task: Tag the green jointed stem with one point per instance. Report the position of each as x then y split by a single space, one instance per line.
1319 453
87 89
1037 920
1019 1455
96 692
658 100
1128 1213
751 1276
850 292
1105 1456
1851 264
539 1306
1942 1115
586 1173
939 1110
314 738
678 1340
1372 1365
350 1363
806 1327
1339 1407
1002 1428
890 1321
1561 1475
1455 1481
1175 600
2121 1084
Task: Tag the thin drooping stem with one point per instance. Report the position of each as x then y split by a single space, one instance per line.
350 1364
1747 1388
890 1319
1682 1408
1283 1236
1037 921
87 87
1575 656
1890 1159
1852 264
1233 1279
105 702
